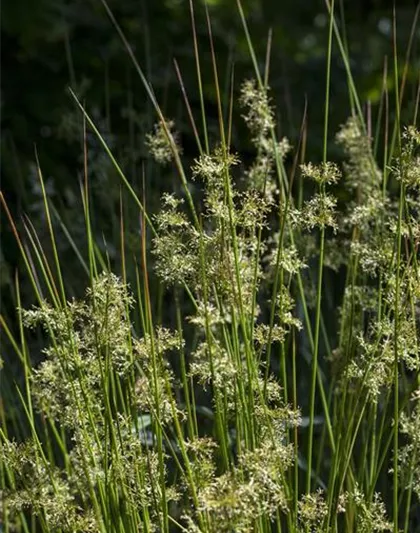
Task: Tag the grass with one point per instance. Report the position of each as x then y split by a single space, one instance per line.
246 411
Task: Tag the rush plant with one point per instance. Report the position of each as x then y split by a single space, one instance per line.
201 424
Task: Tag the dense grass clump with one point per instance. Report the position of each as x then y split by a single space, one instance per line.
266 401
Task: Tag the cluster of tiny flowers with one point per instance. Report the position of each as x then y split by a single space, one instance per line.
212 363
409 454
70 387
153 386
43 489
324 173
259 117
408 169
259 114
371 515
263 334
367 206
215 171
137 469
83 335
202 452
180 248
312 512
287 257
275 418
373 364
371 228
213 168
361 172
379 342
176 247
235 500
319 211
163 142
285 306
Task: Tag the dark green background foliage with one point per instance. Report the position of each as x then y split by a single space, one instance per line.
50 45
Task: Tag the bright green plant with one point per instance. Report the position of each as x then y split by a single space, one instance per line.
201 425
